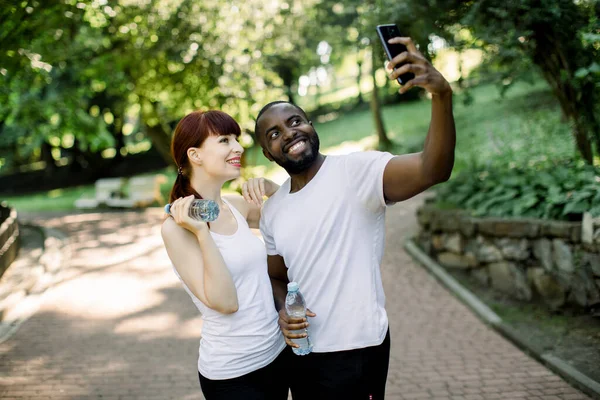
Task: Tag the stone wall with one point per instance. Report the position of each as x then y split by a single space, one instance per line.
9 236
555 261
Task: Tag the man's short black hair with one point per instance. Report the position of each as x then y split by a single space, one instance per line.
269 105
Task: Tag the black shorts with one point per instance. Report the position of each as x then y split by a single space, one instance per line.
358 374
267 383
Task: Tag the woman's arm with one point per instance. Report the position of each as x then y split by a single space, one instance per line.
198 260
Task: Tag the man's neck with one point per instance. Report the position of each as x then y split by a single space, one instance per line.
300 180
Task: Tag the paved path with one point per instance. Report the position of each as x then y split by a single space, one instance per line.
118 325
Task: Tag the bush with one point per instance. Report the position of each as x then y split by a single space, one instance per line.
559 189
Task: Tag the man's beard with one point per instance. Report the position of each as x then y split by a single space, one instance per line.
295 167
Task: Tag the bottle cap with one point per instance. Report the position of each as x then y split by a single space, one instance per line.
168 208
293 287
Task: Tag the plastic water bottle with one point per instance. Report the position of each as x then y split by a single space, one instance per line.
295 307
201 210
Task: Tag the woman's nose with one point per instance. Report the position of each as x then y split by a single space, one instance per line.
237 148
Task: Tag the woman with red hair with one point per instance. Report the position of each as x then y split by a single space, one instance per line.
223 267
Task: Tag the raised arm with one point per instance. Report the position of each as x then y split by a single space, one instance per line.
197 259
408 175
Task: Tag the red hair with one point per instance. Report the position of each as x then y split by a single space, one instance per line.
192 131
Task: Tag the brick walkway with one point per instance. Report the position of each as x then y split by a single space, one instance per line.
119 326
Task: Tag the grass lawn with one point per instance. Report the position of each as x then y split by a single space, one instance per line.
524 124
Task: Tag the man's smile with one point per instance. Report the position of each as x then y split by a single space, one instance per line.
298 146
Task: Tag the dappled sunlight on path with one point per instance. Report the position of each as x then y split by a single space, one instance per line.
117 322
118 325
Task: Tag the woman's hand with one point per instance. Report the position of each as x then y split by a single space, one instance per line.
180 211
255 189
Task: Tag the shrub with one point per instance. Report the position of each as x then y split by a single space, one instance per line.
548 189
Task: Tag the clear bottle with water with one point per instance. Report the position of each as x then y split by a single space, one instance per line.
295 306
201 210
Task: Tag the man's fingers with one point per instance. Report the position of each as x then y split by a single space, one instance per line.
297 327
414 68
407 86
293 324
405 58
410 45
290 334
289 320
293 333
420 80
283 316
310 313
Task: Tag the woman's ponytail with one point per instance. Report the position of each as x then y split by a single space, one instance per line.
182 188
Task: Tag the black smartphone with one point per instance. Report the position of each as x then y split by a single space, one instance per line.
386 32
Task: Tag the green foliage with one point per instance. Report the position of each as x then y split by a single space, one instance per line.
559 38
73 74
83 70
518 159
550 190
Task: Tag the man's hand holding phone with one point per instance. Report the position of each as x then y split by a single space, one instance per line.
426 76
407 64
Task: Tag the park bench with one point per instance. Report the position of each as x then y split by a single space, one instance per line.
139 191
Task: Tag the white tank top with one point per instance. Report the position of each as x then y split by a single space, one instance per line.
236 344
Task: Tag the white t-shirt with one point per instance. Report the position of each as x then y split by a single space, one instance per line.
236 344
331 236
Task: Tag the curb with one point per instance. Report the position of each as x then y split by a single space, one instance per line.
577 379
55 252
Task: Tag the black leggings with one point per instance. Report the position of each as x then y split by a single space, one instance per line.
268 383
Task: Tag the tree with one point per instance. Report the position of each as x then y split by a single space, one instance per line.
79 72
357 21
559 37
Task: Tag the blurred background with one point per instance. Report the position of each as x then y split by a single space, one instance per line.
93 89
90 92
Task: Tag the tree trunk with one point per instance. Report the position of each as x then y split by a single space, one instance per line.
117 131
287 76
359 101
46 156
290 94
159 135
161 141
84 161
384 142
577 104
559 56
